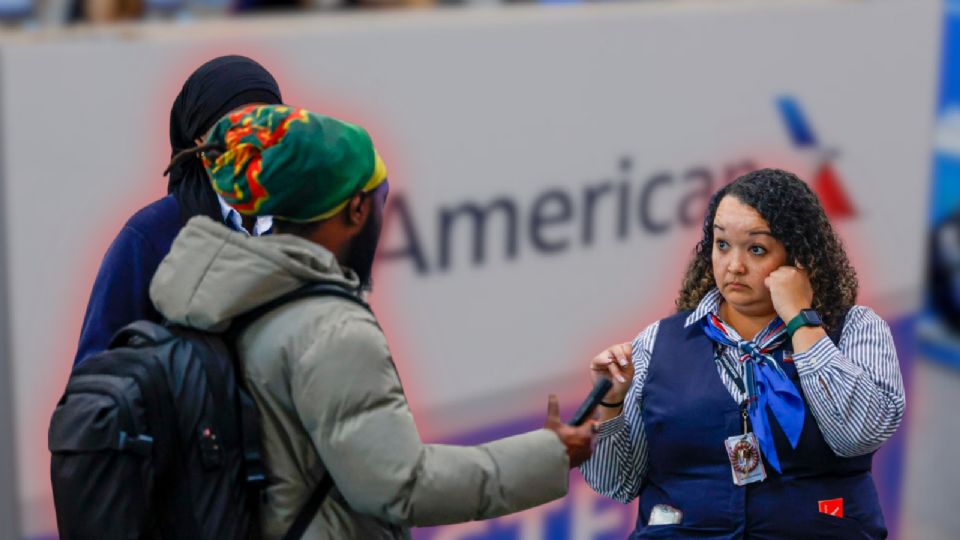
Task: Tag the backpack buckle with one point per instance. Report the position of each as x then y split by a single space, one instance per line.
253 466
140 445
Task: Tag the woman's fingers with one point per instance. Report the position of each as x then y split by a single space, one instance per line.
618 353
606 363
615 364
615 372
626 354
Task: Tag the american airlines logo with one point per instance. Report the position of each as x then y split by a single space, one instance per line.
825 180
623 203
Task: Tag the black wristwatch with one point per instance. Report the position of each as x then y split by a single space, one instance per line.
807 317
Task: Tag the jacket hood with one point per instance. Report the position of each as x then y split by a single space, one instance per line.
213 273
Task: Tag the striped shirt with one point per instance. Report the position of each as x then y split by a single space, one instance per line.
853 388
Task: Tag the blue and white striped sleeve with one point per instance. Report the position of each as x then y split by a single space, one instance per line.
619 460
854 388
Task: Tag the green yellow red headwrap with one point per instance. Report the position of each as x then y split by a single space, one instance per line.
291 163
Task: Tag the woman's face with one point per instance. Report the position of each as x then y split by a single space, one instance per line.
743 255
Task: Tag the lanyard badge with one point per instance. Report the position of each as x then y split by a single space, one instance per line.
744 453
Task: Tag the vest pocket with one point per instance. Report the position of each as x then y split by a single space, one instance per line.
678 531
840 528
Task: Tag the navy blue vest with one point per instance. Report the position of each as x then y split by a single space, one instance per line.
688 413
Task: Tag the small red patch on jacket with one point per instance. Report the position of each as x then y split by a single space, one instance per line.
832 507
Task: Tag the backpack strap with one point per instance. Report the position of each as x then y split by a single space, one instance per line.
142 330
255 473
309 509
316 288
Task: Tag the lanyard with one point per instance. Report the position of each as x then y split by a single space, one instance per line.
732 370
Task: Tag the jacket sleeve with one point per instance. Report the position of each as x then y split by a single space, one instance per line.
120 293
348 395
619 462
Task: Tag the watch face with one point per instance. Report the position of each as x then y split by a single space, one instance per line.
811 317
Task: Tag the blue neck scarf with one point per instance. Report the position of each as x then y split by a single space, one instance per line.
765 383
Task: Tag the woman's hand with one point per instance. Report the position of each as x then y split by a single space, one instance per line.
790 291
616 364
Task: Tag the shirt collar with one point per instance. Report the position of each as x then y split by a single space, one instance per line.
233 219
710 303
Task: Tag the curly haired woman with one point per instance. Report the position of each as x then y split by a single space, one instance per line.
755 410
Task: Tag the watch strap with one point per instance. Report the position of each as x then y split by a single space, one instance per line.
799 321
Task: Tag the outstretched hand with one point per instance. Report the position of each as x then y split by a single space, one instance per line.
578 440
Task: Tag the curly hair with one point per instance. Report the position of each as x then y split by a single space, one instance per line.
797 220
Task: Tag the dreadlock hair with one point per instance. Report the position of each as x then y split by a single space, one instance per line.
214 150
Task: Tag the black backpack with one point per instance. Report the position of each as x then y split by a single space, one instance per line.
156 437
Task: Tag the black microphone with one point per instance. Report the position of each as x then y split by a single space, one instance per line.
593 399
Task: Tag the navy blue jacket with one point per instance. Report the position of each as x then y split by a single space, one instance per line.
120 293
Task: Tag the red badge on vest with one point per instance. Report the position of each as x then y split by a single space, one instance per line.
832 507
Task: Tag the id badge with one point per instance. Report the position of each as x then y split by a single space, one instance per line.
745 463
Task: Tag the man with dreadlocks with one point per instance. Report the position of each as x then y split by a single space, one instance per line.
332 409
119 295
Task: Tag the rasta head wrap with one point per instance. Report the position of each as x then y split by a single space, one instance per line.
290 163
